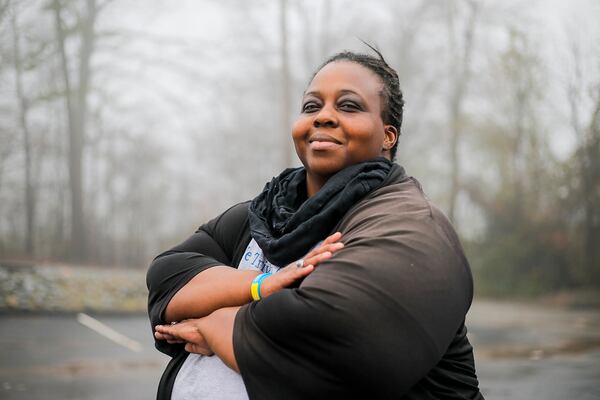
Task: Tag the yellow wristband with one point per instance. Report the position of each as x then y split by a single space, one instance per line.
255 286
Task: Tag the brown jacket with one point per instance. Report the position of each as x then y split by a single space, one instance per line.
383 318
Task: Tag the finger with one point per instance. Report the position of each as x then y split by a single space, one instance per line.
304 271
168 337
161 328
161 336
166 330
331 247
294 274
333 238
194 348
164 336
318 258
328 240
315 260
189 347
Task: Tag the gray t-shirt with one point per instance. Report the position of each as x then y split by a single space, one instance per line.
202 377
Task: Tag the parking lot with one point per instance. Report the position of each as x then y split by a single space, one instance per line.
522 352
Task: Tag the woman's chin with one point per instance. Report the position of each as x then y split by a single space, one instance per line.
324 168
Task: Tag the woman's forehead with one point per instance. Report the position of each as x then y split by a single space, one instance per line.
346 75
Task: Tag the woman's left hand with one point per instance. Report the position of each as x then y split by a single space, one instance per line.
187 332
294 272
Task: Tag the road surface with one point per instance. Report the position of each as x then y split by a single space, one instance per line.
522 352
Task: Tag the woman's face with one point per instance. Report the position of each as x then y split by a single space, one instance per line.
340 121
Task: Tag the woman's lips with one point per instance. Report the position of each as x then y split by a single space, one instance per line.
321 142
322 145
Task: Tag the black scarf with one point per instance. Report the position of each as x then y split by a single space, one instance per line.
286 225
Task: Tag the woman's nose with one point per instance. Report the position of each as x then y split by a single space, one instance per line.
325 118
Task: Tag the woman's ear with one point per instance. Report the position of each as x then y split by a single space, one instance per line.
390 137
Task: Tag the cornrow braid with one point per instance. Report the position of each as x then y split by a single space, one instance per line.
393 102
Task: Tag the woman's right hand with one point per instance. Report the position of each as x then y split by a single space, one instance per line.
291 273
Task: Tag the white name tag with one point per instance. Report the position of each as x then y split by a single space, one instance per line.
254 259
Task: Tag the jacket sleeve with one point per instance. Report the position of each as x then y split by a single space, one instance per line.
212 244
371 321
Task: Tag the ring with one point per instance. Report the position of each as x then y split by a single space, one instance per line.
300 263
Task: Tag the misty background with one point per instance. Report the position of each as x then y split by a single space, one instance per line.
126 124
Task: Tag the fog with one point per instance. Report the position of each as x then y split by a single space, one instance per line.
182 110
125 125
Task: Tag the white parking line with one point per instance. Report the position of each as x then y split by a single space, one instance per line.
108 332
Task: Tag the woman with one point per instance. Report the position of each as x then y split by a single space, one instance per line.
382 316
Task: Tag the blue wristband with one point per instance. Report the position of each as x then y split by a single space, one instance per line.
255 286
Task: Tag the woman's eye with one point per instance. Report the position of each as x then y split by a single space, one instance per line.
310 107
349 106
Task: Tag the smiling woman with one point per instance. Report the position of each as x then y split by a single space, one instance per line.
341 122
339 280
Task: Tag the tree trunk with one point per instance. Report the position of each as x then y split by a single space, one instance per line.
23 111
591 196
76 104
460 71
285 87
588 164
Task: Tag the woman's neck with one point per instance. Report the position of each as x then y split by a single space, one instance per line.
314 183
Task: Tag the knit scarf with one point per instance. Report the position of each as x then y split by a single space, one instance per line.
286 224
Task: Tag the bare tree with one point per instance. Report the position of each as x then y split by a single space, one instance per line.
76 97
460 74
285 82
4 8
23 109
591 193
587 160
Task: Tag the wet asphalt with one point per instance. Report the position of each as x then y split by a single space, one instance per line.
522 352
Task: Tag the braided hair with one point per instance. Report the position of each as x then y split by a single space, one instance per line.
393 102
